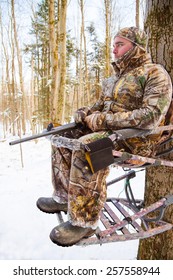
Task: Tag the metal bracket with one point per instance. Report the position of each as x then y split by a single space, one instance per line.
169 200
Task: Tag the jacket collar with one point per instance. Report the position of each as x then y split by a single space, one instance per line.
134 58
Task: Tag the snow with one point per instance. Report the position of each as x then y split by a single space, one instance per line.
24 230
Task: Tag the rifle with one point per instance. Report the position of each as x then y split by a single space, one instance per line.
56 130
117 135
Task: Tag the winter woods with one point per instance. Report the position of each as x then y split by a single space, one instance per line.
62 64
55 63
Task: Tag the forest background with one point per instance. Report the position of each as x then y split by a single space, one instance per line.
54 56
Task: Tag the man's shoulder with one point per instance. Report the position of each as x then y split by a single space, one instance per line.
154 67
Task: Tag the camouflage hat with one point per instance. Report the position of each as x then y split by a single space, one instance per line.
134 35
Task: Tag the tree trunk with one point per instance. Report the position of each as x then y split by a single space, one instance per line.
62 45
107 37
80 96
54 61
5 99
137 13
86 85
32 97
24 107
159 180
57 37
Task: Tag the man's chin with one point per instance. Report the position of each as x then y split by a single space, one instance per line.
116 59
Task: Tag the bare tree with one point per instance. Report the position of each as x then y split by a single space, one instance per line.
5 82
84 50
137 13
108 11
62 48
53 42
20 66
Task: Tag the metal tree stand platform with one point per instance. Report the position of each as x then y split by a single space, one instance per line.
125 219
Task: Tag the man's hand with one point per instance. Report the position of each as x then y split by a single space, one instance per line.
96 121
80 115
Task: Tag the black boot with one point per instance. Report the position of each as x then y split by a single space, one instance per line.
67 235
49 205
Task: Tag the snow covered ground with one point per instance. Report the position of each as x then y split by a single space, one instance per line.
24 230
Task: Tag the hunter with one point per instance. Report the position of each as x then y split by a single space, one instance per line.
138 95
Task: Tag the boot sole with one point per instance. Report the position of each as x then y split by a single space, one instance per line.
52 212
71 244
62 245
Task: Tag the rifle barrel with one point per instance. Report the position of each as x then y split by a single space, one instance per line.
56 130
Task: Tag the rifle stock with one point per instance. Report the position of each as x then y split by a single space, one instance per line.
123 134
59 129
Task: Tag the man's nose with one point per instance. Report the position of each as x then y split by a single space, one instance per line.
114 50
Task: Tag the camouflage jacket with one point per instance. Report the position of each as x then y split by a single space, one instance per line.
138 95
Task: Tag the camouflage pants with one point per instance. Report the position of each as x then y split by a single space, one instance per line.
74 183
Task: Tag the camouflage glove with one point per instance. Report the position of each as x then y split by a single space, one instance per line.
96 121
80 114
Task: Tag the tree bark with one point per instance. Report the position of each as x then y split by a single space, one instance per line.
6 85
61 37
54 61
159 180
57 36
107 37
86 85
24 106
137 13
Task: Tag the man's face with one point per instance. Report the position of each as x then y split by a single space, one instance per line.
121 46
